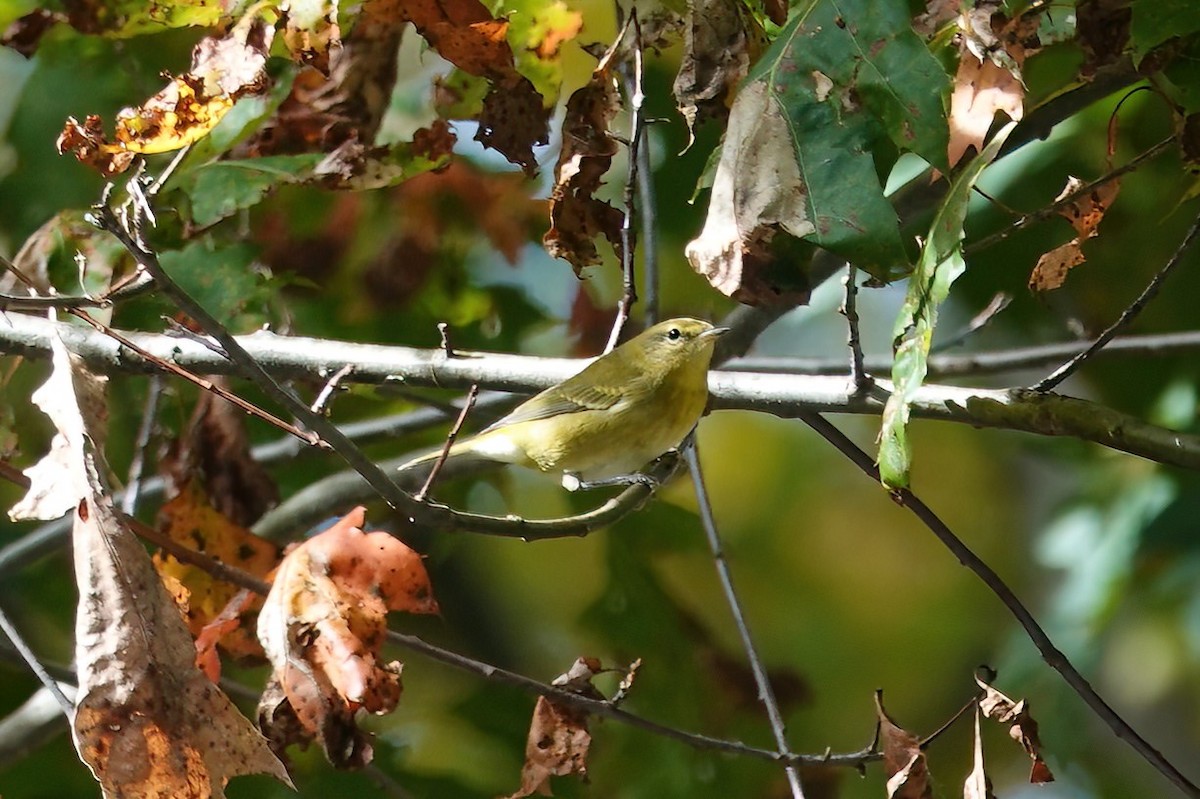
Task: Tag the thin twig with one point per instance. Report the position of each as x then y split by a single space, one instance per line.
468 404
1056 206
1127 316
35 665
251 368
766 694
1050 653
933 736
860 381
628 241
321 403
647 205
207 385
137 465
1000 300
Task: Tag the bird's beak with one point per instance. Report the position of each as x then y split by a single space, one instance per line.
714 332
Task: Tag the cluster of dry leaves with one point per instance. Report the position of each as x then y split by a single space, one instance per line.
150 718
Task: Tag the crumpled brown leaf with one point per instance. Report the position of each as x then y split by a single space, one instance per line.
559 740
903 760
992 52
1085 215
223 69
721 39
577 216
1022 727
757 191
322 627
147 722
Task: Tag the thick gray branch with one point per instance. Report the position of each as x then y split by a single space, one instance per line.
778 394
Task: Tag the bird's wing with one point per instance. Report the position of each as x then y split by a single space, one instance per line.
571 396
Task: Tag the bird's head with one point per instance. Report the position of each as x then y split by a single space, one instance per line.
675 342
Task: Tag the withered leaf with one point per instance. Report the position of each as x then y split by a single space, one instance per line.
903 760
992 52
577 217
1022 727
322 627
147 721
69 395
190 519
311 31
559 740
757 191
977 784
720 40
1085 215
223 69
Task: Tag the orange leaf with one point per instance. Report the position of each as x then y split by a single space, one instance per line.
323 625
191 521
1085 214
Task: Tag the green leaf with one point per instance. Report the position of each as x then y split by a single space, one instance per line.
222 188
1156 21
222 279
820 118
940 264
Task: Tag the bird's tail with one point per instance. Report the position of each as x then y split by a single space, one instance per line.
461 459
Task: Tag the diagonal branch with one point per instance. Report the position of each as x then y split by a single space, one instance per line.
1050 653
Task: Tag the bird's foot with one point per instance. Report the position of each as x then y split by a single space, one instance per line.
572 481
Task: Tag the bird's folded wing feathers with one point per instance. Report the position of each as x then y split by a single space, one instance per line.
568 397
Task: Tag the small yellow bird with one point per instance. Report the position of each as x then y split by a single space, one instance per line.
605 423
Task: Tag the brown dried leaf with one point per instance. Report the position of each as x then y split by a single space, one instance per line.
192 521
1085 215
559 740
936 14
1022 727
1102 29
977 784
991 55
147 722
513 122
757 191
24 34
903 760
322 627
577 217
214 451
223 69
212 634
720 41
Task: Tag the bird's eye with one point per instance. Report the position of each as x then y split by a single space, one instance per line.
673 333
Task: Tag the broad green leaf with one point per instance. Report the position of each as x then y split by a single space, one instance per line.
222 188
820 118
940 264
1157 21
222 279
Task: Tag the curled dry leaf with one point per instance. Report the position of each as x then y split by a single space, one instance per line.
977 784
68 396
1085 214
991 54
323 625
577 216
147 721
223 69
903 760
720 41
757 192
559 740
1022 727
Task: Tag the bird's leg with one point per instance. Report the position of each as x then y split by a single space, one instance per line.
572 482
